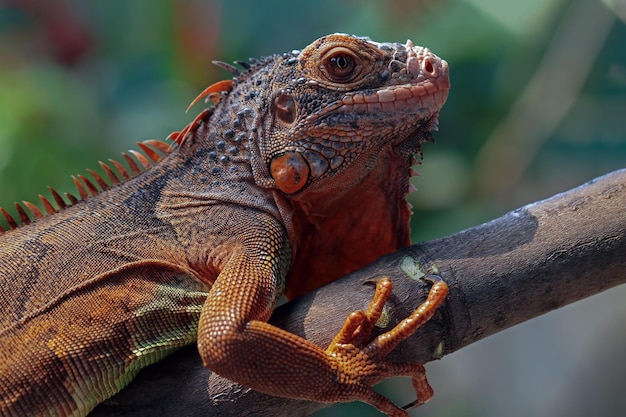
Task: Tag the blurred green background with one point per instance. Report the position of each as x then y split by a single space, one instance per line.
537 106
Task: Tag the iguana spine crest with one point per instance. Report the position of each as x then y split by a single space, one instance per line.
86 188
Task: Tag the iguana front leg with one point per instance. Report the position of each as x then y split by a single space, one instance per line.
236 342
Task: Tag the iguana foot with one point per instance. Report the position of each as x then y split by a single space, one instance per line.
360 364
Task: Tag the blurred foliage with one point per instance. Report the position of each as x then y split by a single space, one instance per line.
537 102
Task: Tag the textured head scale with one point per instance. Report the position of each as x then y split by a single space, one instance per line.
340 96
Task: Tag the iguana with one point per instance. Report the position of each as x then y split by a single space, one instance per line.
295 176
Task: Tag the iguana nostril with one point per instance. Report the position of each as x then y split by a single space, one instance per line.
428 68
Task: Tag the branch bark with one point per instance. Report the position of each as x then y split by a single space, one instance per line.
528 262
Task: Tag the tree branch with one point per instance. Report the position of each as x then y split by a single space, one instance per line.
521 265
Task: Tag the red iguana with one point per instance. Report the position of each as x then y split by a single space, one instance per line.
295 177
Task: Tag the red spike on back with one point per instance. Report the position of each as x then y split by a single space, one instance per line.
37 214
46 204
82 191
120 168
159 145
132 164
142 159
218 87
183 134
179 137
73 200
90 186
110 174
102 183
153 149
10 220
57 198
22 213
176 137
149 152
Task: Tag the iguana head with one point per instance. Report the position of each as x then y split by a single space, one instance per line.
340 101
344 120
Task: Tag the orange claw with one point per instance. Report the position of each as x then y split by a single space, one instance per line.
367 363
224 85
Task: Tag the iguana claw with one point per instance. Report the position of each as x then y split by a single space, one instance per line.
362 364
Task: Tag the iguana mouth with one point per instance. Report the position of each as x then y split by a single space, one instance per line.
401 97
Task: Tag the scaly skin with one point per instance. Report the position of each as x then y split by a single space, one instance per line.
297 177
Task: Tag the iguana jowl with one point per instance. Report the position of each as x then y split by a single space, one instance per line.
297 176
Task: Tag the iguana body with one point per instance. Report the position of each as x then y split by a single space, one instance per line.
297 177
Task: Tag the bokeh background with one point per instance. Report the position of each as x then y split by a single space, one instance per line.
537 106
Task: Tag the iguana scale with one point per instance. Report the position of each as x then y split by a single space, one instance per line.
296 176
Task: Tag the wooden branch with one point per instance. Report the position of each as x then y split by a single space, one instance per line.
521 265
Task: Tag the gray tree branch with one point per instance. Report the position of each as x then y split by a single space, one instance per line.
528 262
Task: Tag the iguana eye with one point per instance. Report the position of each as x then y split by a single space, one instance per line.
340 65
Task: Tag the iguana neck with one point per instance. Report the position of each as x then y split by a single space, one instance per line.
328 227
